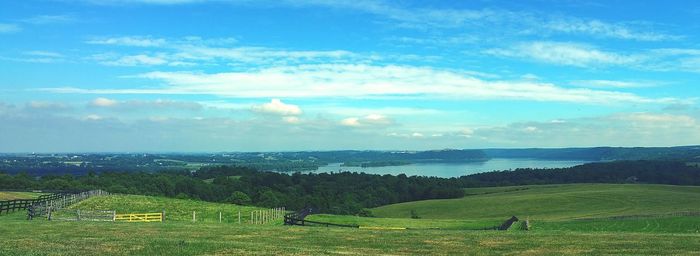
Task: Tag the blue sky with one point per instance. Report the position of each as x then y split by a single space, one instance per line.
195 75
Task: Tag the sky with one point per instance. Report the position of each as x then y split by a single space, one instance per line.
241 75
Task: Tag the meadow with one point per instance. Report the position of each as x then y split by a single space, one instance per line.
554 202
594 219
182 238
12 195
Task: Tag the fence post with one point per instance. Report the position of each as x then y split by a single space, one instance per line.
78 215
162 218
194 216
49 213
219 217
239 216
114 215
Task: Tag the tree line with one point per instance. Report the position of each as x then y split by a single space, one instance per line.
343 192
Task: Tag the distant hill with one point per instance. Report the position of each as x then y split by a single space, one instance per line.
553 202
685 153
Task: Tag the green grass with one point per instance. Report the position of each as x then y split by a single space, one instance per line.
649 224
175 209
404 222
11 195
444 227
89 238
553 202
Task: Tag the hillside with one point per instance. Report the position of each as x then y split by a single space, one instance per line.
183 238
444 226
11 195
553 202
175 209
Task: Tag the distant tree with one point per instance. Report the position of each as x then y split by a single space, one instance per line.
414 215
239 198
269 199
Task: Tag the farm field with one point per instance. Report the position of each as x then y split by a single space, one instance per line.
555 230
11 195
368 222
553 202
181 238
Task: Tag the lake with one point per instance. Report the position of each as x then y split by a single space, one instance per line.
447 170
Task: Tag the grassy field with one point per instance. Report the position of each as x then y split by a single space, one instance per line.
7 195
175 209
647 224
555 211
553 202
366 222
90 238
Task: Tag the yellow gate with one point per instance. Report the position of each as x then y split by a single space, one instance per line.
139 217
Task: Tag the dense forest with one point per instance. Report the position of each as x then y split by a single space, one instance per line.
344 192
341 193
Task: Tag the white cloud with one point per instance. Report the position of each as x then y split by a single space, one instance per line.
353 81
571 54
197 51
44 54
603 29
277 107
613 84
137 41
49 19
143 105
136 60
291 119
9 28
103 102
371 120
93 117
621 129
47 105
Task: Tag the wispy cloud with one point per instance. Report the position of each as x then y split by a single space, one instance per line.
571 54
351 81
437 18
137 41
37 57
368 121
143 105
50 19
614 84
6 28
191 51
599 28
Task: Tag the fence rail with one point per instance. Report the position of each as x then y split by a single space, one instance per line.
139 217
84 215
44 206
299 219
14 205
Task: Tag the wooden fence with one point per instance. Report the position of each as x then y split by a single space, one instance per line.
299 219
83 215
14 205
266 216
23 204
139 217
56 202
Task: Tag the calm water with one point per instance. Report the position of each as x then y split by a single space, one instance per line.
454 169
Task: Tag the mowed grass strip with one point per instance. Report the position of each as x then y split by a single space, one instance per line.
553 202
11 195
91 238
175 209
404 222
689 224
